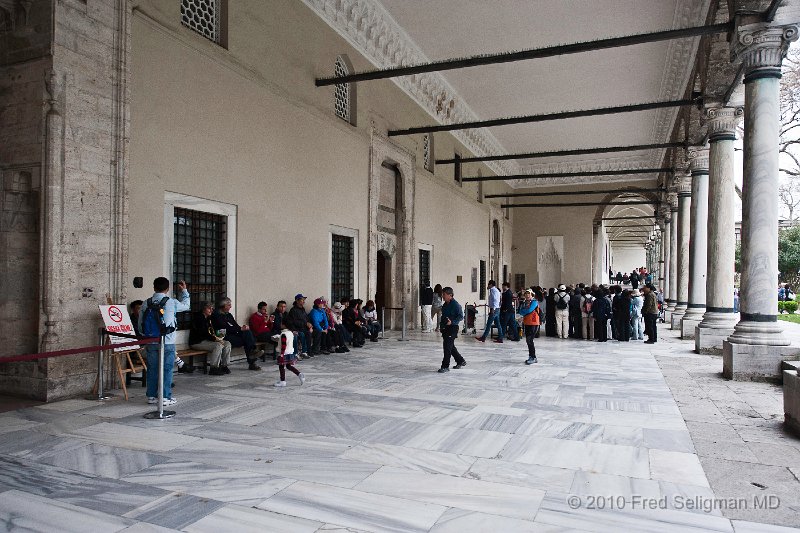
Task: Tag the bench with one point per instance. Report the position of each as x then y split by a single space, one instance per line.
189 354
267 346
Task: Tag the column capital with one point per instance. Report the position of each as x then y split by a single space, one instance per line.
762 47
698 160
683 183
672 198
664 213
722 122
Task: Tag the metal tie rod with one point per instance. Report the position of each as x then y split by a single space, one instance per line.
578 204
561 115
622 172
524 55
571 193
562 153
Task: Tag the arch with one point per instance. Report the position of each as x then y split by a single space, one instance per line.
344 94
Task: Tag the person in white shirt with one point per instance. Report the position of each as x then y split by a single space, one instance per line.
493 302
561 299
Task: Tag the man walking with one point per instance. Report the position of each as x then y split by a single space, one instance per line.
452 315
508 314
650 313
561 299
494 314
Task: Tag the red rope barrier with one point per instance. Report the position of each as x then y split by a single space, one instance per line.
73 351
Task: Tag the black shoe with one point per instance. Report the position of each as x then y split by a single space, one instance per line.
649 342
185 369
326 352
460 365
225 369
374 340
216 371
443 370
253 366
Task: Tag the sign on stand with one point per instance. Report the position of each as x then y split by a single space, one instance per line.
116 319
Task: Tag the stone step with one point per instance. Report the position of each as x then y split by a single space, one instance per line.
790 365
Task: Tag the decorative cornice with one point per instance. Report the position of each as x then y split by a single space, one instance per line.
698 160
371 30
722 122
762 47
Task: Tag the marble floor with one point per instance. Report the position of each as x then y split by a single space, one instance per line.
595 437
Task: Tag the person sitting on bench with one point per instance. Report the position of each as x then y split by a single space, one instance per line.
202 336
234 333
261 325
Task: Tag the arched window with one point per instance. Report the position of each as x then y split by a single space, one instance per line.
344 94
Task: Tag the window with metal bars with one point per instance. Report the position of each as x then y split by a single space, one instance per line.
483 281
199 257
424 268
342 267
206 17
519 282
427 152
344 94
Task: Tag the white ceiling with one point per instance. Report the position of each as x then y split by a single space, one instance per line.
643 73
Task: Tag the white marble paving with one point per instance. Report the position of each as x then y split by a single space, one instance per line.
677 467
246 520
112 434
463 521
352 508
411 459
20 511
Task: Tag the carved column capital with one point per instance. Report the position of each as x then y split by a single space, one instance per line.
698 160
683 184
762 47
722 122
672 198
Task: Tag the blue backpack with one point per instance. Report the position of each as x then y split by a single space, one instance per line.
153 319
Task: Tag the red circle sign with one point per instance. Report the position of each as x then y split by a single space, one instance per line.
115 314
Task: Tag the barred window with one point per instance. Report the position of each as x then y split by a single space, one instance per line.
206 17
199 257
519 282
427 152
483 281
342 267
344 94
457 169
424 268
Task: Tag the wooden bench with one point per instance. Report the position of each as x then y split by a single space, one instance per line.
266 346
189 354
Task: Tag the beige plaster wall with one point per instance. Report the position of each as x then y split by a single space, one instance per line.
626 259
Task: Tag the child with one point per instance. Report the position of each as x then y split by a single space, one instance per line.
287 358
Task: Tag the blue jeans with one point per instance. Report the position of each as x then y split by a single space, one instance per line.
152 369
301 342
509 321
494 318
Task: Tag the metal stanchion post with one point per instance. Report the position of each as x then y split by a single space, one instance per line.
403 332
161 413
101 337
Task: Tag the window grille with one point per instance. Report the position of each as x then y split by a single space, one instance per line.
457 169
341 93
519 282
204 17
342 267
424 268
483 281
427 152
199 257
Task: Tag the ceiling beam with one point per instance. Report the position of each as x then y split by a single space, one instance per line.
623 172
569 193
579 204
634 217
561 115
561 153
772 10
524 55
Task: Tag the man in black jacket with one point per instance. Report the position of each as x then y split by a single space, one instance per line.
203 336
297 321
508 313
426 302
234 333
352 321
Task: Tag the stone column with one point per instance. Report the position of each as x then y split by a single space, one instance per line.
757 346
719 319
684 185
673 252
597 253
698 243
666 239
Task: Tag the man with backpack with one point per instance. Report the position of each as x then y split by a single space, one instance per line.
561 299
575 314
587 320
158 319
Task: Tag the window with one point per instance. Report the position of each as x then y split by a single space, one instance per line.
342 267
483 281
519 282
427 152
199 257
424 268
344 94
505 273
206 17
457 169
389 199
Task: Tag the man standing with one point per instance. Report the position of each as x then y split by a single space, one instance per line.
561 299
508 313
634 280
426 303
452 315
650 313
161 303
494 314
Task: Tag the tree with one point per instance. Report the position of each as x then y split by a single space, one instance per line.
789 194
790 125
789 255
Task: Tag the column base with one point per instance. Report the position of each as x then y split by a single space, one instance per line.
688 326
676 316
755 362
712 331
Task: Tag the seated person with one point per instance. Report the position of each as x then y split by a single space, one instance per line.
370 315
319 322
344 304
237 335
336 339
297 322
278 320
261 325
204 337
351 318
136 309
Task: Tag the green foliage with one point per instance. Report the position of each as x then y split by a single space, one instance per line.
789 255
790 318
789 307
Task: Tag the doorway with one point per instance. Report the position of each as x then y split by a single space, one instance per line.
383 287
